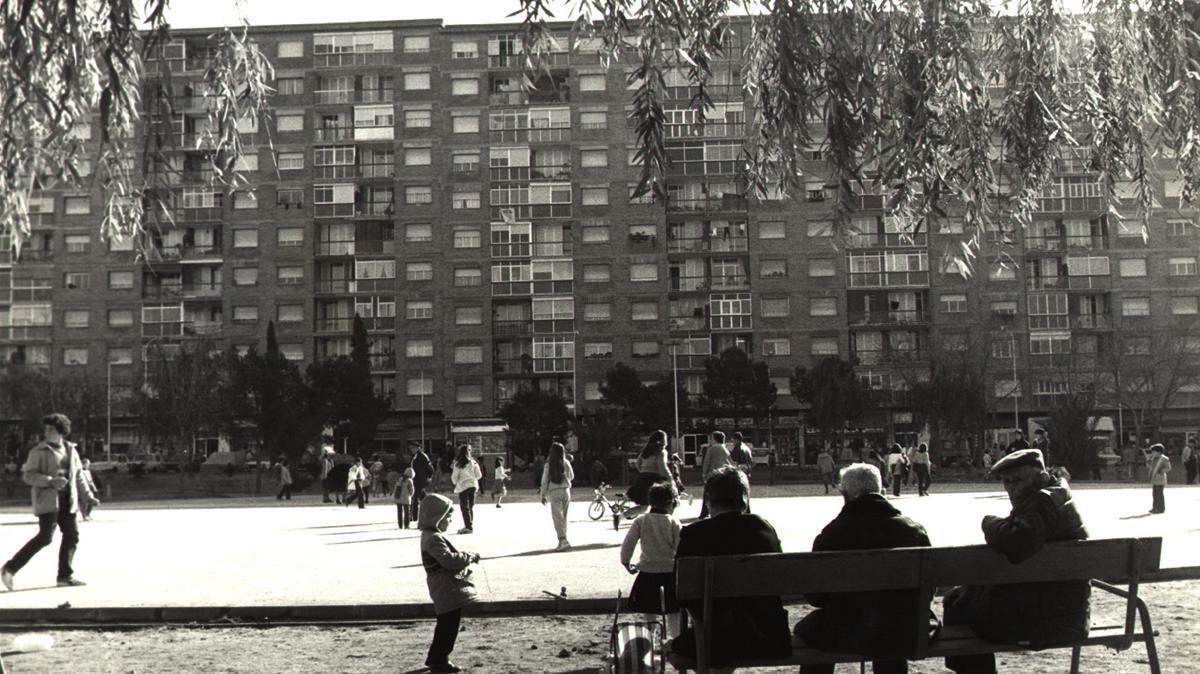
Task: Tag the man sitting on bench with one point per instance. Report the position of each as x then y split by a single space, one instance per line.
1035 615
741 628
875 624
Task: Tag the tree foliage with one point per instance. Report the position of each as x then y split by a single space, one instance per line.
933 104
737 386
344 397
1069 426
950 394
278 401
649 406
536 418
834 395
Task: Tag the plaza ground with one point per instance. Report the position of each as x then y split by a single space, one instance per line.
260 552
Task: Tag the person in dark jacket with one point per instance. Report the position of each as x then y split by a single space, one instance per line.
422 474
1034 615
742 627
337 478
875 624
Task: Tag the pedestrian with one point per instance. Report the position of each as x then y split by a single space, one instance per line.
740 455
1191 462
658 535
598 472
716 457
339 477
1158 465
923 466
987 463
1018 443
284 476
896 468
355 478
85 507
326 468
1041 441
448 578
377 477
52 470
464 475
827 469
557 476
367 479
422 473
403 496
393 478
652 467
499 480
1129 459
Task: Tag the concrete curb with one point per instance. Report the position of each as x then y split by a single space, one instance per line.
267 615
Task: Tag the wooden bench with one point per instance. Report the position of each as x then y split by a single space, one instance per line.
792 575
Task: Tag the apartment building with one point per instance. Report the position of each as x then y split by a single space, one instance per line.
487 235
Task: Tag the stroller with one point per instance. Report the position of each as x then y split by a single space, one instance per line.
637 643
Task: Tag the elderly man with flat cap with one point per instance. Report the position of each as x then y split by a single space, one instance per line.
1035 615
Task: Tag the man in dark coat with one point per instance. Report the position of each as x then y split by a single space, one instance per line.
1035 615
875 624
422 474
741 627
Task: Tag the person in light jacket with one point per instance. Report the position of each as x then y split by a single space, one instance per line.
1158 465
557 476
465 476
356 480
53 470
448 578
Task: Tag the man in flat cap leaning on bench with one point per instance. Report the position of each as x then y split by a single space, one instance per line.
1035 615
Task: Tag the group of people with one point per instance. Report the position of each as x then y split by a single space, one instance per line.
899 468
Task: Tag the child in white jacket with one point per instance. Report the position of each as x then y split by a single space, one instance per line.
658 534
465 476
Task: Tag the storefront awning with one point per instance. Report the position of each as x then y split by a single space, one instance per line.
478 428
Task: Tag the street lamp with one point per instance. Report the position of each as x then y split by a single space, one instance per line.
674 344
1012 352
421 391
108 417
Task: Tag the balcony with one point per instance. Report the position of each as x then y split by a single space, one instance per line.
688 284
343 324
333 286
331 133
1046 283
387 170
210 214
722 203
687 323
1089 242
334 248
887 240
343 210
716 244
730 283
647 241
374 209
23 333
200 252
508 98
551 287
371 285
162 329
29 255
1043 243
383 362
512 328
1089 282
162 292
522 365
202 328
552 365
889 317
550 326
891 279
512 288
201 291
1091 322
553 249
339 96
889 356
374 247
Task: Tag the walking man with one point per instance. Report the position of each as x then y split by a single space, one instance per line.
356 479
1190 462
422 473
285 481
716 457
1158 465
326 467
53 470
826 468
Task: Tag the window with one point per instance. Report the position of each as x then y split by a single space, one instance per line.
1087 266
77 205
289 121
468 354
465 162
1179 228
774 307
292 352
773 269
1184 306
417 310
464 122
596 273
464 49
75 318
596 231
418 348
77 243
646 349
1002 272
820 268
289 86
1182 266
643 271
291 50
592 82
468 276
596 158
245 276
418 156
245 238
247 163
120 280
418 271
467 237
597 311
416 81
287 237
119 244
598 350
593 119
420 386
776 346
464 85
823 306
120 318
243 201
468 393
465 199
468 316
289 275
818 229
120 355
292 197
74 280
644 311
418 119
416 44
771 230
1004 308
1135 306
1132 266
595 195
290 161
591 391
418 194
823 346
245 314
289 313
1049 343
418 232
954 304
75 356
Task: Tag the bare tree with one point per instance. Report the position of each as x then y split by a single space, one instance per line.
1145 373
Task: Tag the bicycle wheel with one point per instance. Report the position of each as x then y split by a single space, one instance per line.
596 510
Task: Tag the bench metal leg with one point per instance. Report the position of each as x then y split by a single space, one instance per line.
1075 659
1151 649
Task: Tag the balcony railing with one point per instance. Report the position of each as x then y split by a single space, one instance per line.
522 365
201 290
687 284
887 240
338 286
687 323
368 285
718 244
202 328
210 214
328 133
26 332
374 247
162 329
343 324
553 249
730 283
383 362
723 203
1041 243
162 292
199 252
888 317
890 356
334 248
1089 282
891 279
1088 242
1045 282
352 59
1092 321
511 328
29 255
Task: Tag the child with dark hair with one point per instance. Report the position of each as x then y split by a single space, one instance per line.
658 535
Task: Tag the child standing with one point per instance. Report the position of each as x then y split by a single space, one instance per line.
403 496
448 578
1158 465
499 477
658 534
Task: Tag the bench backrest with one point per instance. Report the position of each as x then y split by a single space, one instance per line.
789 573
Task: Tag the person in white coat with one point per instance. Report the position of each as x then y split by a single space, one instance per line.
465 476
356 481
557 476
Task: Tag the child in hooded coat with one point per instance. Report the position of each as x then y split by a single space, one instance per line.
448 578
403 494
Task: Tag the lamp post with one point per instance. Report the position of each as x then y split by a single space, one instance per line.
108 417
1012 352
421 390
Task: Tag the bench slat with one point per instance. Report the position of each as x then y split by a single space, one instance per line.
899 568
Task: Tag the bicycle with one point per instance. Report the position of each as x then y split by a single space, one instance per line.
619 506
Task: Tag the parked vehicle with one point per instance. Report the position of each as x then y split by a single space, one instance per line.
118 464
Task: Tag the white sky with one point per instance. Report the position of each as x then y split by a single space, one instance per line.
211 13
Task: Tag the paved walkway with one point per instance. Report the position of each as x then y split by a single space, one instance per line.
305 553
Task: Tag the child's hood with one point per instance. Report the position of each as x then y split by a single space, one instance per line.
433 508
408 472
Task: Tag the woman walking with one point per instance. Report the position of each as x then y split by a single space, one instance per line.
923 466
557 476
465 475
653 467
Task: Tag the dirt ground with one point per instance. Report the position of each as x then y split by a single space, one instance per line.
558 644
